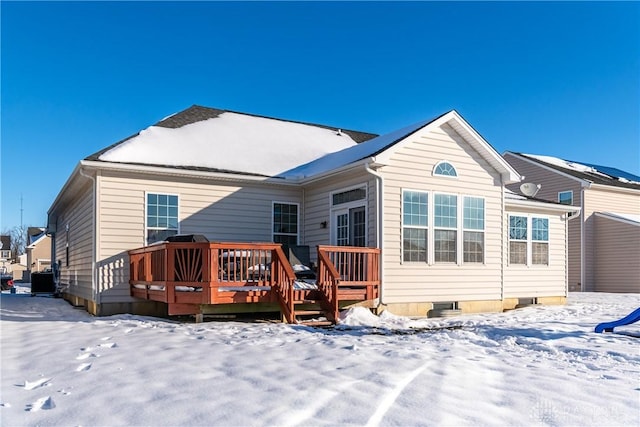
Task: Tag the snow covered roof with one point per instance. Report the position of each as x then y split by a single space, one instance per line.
604 175
213 140
221 140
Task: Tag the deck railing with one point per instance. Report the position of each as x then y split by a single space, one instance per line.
348 270
209 273
188 274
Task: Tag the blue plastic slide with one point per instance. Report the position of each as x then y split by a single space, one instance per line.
632 317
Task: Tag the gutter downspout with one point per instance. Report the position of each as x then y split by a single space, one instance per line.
379 222
94 271
566 249
582 244
504 226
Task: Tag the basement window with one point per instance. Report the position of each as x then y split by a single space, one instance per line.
446 305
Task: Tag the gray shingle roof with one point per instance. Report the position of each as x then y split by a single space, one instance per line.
602 175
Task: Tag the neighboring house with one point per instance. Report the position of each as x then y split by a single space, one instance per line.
38 251
431 196
604 249
5 249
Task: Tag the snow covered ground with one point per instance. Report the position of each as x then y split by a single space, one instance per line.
532 366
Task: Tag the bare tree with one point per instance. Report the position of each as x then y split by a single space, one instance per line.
18 241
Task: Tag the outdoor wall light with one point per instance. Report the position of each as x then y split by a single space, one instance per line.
323 224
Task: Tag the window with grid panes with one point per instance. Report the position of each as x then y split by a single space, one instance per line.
285 223
414 226
162 216
473 229
445 235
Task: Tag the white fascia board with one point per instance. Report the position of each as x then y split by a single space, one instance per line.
541 205
583 182
66 185
473 138
371 161
385 156
160 170
612 216
509 174
34 244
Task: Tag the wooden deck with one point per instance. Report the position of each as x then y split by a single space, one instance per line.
188 277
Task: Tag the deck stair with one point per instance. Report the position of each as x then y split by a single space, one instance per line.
310 308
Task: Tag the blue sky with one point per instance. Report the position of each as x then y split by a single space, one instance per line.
559 79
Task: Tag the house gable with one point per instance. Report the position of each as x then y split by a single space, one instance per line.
380 149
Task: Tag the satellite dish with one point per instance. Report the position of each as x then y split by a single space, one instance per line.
530 189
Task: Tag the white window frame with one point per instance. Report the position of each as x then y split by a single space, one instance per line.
565 192
529 240
473 230
427 227
273 233
146 216
457 229
353 203
435 167
541 241
342 208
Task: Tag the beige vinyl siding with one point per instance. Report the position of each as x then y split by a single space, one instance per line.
617 266
522 281
603 199
551 184
77 214
410 168
317 207
220 211
40 255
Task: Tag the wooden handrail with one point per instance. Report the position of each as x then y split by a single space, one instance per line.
284 280
327 281
348 267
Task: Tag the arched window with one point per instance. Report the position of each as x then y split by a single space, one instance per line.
445 169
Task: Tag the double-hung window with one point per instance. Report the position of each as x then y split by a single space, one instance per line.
473 229
540 241
528 240
415 222
285 223
518 239
162 216
445 228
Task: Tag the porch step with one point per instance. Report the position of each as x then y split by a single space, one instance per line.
316 323
308 312
306 301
